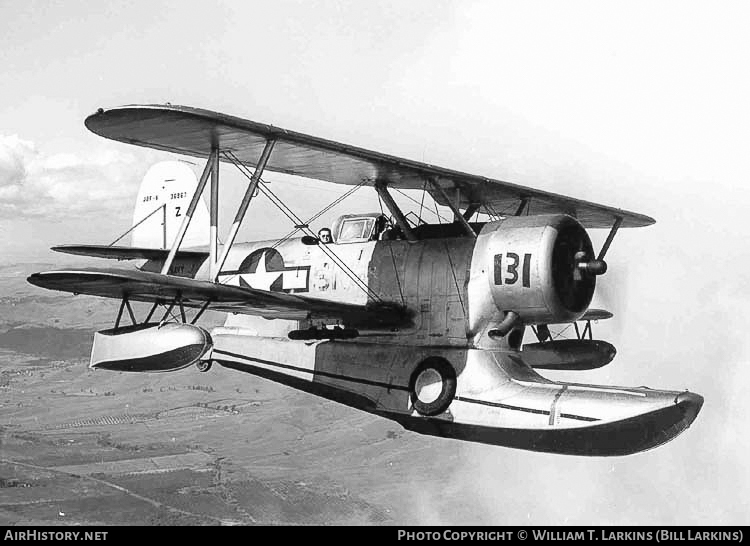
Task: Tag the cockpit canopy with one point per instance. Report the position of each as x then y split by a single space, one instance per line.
359 228
374 226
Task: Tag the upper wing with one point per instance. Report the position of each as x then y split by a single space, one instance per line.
144 286
193 131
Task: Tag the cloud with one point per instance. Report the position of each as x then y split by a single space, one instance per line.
14 156
62 185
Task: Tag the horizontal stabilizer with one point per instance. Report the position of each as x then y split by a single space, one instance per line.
127 252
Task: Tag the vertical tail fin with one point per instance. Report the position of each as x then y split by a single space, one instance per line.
163 198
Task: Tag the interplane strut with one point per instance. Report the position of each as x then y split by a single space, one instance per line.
212 163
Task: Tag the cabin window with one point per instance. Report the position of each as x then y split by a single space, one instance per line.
355 230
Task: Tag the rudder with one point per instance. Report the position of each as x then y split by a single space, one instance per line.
163 199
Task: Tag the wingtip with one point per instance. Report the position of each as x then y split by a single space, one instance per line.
76 250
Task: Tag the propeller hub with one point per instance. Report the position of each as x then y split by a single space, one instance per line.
593 267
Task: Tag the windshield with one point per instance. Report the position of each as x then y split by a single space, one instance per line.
355 229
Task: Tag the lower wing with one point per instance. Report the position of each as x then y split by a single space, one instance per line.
136 285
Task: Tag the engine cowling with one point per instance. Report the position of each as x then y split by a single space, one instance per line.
532 270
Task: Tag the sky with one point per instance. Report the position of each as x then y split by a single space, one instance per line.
638 105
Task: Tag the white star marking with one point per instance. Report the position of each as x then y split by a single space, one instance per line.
261 279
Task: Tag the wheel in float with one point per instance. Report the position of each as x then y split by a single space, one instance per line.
432 386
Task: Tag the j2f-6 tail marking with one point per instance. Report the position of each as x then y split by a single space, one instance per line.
420 323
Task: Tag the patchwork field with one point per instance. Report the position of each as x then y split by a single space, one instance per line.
96 447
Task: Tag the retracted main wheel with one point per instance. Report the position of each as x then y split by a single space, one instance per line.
203 365
432 386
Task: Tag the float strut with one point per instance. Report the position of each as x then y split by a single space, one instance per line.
119 313
202 309
151 312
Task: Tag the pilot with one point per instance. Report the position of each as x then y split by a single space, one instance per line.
393 233
381 223
324 235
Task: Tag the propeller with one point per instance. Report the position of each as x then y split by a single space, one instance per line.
585 266
574 267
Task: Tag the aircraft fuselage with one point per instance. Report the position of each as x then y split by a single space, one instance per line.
444 373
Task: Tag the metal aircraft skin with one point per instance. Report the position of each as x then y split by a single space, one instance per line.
421 324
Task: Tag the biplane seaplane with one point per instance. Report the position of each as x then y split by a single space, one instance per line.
421 323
